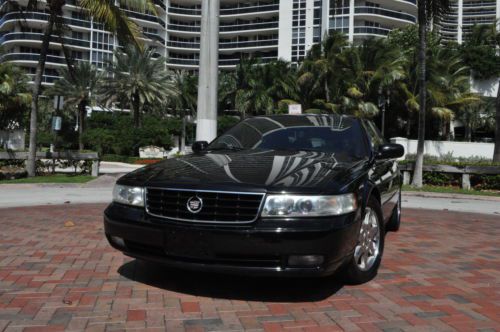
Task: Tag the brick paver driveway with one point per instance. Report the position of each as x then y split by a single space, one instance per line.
440 272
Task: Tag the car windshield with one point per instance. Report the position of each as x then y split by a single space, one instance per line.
328 133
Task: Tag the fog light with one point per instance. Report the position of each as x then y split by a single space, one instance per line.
305 260
118 241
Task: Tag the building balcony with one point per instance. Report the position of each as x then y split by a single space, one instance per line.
224 63
371 31
151 19
226 45
40 17
36 38
386 14
227 28
32 58
228 11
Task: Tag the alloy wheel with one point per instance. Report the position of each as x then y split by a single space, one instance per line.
368 247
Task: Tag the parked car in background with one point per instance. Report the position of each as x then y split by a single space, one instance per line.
294 195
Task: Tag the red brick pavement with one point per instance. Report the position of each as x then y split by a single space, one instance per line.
441 272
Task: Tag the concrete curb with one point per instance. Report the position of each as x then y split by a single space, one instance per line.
426 194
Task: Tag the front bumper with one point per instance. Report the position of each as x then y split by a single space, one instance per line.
262 248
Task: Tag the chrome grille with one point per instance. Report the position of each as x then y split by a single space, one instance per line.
224 207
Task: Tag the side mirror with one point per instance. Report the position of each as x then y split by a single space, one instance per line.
390 151
199 146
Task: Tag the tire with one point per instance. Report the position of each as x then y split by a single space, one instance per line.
356 270
395 221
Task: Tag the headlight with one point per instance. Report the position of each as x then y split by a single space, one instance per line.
128 195
308 206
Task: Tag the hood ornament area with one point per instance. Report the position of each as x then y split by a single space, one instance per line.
194 204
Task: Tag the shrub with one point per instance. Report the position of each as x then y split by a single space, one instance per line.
441 179
112 133
485 182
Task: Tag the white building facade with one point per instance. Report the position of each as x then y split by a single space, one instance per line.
267 29
465 14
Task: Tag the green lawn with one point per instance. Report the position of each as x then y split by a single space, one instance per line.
57 178
450 190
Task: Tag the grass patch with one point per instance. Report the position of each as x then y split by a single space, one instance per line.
57 178
450 190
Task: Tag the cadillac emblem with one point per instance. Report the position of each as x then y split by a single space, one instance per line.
194 204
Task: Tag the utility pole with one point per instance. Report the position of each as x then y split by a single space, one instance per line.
206 129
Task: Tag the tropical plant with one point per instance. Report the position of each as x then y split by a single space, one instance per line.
78 87
184 91
428 11
107 12
477 115
367 69
14 96
318 79
479 51
137 78
259 88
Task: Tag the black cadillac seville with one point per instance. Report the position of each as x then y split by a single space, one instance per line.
294 195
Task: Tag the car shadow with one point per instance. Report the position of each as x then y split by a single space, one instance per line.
231 287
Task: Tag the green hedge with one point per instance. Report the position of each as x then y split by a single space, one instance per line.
114 133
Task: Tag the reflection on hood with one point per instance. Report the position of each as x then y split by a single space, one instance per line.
259 168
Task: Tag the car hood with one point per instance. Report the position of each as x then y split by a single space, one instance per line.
269 171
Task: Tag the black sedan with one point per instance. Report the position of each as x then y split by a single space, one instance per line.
294 195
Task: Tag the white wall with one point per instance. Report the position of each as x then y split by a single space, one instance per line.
487 88
12 139
442 148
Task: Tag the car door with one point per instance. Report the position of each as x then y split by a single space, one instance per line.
384 172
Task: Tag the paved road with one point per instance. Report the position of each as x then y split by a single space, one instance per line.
99 191
441 272
459 203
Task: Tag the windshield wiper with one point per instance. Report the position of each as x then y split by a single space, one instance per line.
227 148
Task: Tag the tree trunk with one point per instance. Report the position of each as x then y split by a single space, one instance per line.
327 91
422 53
496 154
468 131
40 68
408 125
136 111
82 110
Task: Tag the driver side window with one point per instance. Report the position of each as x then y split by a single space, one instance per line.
375 138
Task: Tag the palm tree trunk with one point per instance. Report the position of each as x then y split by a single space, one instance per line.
82 109
327 91
496 153
136 110
468 131
408 124
40 68
422 53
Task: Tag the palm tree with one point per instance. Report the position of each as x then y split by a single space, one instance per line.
14 96
137 78
448 87
107 12
259 88
322 61
366 69
78 86
428 10
184 91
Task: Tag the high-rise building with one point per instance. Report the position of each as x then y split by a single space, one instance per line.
21 34
360 19
465 14
268 29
